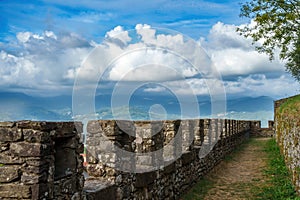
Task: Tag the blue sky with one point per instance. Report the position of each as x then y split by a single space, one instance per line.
44 43
93 19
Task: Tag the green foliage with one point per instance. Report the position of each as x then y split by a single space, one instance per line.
279 185
277 24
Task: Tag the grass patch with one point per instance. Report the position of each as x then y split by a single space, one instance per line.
279 185
199 191
291 105
275 184
1 165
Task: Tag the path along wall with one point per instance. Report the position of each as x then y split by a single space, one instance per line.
287 129
125 159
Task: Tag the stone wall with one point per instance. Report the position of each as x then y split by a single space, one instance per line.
40 160
184 151
287 129
257 131
125 159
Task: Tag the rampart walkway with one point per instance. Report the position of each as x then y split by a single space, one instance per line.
236 176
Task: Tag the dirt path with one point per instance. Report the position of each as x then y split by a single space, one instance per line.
236 176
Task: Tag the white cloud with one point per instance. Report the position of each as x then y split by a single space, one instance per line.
151 57
23 36
155 89
51 61
232 54
118 33
42 61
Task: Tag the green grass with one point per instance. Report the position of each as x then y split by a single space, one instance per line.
1 165
279 185
199 191
289 105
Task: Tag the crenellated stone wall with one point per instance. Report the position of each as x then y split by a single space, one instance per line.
124 159
40 160
287 129
185 150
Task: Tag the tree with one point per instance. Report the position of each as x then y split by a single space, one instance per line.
276 25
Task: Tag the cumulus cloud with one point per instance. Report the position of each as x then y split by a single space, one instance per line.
51 61
260 85
232 54
42 61
151 57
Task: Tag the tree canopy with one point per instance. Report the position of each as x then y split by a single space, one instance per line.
276 26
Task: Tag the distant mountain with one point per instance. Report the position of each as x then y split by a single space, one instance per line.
19 106
250 104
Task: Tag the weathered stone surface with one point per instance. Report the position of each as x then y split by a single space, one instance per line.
37 161
47 155
42 126
36 169
10 134
287 127
31 178
15 191
96 189
7 158
25 149
144 179
4 146
68 143
66 129
93 127
96 170
7 124
9 173
36 136
65 162
187 158
65 186
80 148
169 168
41 191
31 152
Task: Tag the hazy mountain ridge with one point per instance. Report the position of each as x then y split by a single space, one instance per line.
18 106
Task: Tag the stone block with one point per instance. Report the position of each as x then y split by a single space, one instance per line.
96 170
169 168
7 158
10 134
96 189
31 178
15 191
144 179
4 146
25 149
41 191
36 169
7 124
36 136
187 158
9 173
65 129
42 126
93 127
